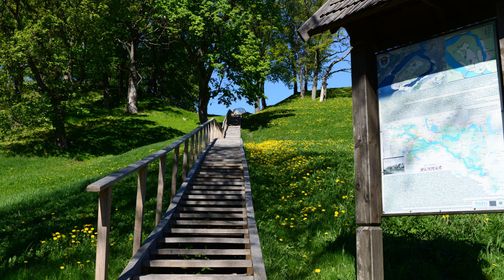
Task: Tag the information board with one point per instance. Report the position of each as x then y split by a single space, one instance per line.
442 141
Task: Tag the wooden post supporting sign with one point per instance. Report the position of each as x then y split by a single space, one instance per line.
367 165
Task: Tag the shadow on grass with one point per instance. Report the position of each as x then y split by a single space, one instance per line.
106 136
262 120
438 259
26 226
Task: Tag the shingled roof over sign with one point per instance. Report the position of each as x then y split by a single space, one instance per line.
333 14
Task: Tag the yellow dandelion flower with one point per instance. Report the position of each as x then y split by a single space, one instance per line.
62 267
317 270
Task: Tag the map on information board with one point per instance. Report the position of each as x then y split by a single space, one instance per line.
441 125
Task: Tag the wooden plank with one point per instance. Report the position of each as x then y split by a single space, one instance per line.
185 160
259 268
212 202
211 240
174 171
369 253
208 231
221 188
214 197
217 192
140 200
196 277
366 137
160 189
217 182
210 209
203 252
208 223
200 263
103 229
211 215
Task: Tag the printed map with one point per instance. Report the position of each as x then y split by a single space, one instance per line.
441 125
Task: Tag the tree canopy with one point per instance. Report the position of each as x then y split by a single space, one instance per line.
182 52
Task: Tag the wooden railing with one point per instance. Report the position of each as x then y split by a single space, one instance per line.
194 143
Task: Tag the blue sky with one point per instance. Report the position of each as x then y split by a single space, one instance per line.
276 92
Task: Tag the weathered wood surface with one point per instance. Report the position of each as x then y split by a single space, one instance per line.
113 178
366 137
212 216
369 253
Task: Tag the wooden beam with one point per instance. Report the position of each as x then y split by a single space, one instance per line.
160 189
369 257
174 172
369 253
103 229
366 137
140 200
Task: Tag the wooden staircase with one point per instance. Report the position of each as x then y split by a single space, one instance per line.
209 231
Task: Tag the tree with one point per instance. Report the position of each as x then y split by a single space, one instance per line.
340 51
215 34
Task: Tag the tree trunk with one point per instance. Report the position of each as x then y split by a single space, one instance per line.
257 105
315 76
295 91
57 116
204 76
263 94
323 90
302 81
107 97
132 79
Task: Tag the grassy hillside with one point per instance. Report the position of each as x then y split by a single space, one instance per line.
301 160
46 217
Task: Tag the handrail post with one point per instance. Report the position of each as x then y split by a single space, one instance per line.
160 189
140 200
185 159
103 229
174 172
193 146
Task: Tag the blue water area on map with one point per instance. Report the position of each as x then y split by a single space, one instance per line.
385 87
446 142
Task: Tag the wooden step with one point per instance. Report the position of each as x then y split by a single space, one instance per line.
221 223
219 176
213 240
222 188
212 203
203 252
218 182
196 277
201 263
209 231
212 192
212 209
221 171
211 215
214 197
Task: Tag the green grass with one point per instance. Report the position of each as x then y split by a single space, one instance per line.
301 162
47 218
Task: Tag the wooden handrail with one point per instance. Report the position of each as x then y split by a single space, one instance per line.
194 144
113 178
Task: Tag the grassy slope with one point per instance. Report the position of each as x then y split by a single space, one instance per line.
47 218
301 160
